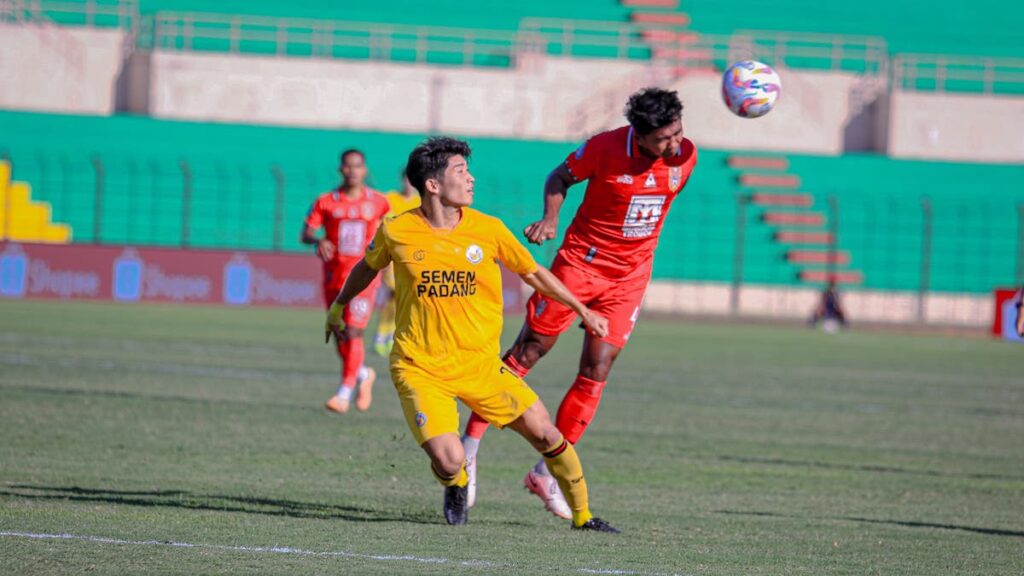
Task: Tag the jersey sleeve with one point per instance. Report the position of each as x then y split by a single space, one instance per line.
513 254
314 218
583 162
378 253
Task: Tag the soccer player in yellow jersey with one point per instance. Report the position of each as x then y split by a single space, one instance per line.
399 202
449 317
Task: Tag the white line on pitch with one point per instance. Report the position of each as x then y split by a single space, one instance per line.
300 552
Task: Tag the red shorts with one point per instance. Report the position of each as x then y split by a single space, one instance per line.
357 313
617 300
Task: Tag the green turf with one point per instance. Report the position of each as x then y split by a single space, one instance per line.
719 449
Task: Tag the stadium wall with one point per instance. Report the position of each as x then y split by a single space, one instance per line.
59 69
812 115
790 303
529 101
962 127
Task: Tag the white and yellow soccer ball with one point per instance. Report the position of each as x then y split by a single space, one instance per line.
750 88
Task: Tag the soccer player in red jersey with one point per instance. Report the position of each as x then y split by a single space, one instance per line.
633 175
349 215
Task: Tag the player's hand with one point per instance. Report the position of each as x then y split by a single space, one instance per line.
334 324
597 324
542 230
325 249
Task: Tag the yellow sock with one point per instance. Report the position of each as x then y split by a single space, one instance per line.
565 466
460 479
386 323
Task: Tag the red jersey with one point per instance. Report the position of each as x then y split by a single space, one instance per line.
616 228
349 224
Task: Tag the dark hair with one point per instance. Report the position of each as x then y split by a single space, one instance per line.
430 158
350 151
653 108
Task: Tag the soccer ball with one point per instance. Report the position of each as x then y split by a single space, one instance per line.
750 88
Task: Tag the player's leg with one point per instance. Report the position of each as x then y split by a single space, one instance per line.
561 458
433 418
528 348
504 399
354 373
384 339
619 302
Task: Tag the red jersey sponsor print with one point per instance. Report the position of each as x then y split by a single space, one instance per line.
628 195
348 223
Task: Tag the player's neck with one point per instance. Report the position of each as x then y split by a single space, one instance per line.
440 216
352 192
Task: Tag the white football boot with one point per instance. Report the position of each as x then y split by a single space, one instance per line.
546 488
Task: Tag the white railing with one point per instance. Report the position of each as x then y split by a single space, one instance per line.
945 73
91 13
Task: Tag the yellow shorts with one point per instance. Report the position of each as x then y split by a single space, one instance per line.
489 389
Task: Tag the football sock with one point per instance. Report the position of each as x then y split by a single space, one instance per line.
460 479
566 468
352 355
345 392
475 428
514 365
471 446
578 407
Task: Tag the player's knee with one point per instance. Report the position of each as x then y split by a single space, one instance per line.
352 333
597 371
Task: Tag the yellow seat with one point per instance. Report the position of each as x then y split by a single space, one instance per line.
23 219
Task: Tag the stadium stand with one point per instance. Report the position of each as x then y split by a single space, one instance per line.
782 201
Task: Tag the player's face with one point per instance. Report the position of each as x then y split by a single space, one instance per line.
663 142
456 186
353 170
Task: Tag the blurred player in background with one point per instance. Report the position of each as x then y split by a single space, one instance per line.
634 173
400 201
449 319
1018 302
349 215
829 310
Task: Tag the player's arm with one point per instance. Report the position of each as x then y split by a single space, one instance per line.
543 281
324 247
357 280
555 189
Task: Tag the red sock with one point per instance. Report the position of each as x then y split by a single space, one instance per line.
578 407
514 365
352 355
476 426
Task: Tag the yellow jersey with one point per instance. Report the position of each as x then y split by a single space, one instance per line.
399 203
447 289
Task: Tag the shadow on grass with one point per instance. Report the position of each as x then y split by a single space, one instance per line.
219 503
906 523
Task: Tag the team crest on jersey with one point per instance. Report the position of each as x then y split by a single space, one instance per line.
421 419
353 212
624 179
675 177
650 183
474 254
368 211
419 255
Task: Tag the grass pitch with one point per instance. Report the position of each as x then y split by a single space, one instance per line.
167 440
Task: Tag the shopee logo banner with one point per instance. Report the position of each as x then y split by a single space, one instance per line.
130 274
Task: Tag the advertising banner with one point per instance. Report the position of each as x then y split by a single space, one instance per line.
137 274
